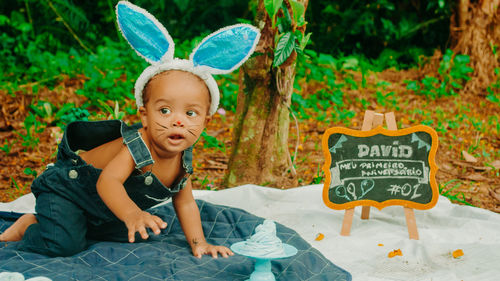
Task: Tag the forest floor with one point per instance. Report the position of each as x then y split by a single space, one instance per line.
467 157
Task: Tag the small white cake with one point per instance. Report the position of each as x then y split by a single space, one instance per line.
264 243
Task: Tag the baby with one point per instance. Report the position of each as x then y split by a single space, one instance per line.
174 114
107 173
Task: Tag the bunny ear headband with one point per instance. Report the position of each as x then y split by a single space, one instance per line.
219 53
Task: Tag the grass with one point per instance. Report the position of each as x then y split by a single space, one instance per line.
456 197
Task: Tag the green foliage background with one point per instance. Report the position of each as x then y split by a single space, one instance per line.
46 41
35 33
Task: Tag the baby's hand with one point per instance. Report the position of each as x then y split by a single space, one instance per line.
138 221
203 248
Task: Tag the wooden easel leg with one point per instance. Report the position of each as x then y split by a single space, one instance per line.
367 120
365 212
411 223
378 120
390 120
347 222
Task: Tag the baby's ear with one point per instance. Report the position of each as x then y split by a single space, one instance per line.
208 119
143 115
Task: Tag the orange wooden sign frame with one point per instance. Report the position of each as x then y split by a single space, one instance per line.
390 202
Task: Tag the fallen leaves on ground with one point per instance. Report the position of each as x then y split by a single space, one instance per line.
457 253
319 237
395 253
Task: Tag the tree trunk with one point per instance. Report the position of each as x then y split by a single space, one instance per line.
475 31
260 153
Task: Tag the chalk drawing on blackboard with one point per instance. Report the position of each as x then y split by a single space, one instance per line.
338 144
359 169
406 190
399 164
421 143
352 193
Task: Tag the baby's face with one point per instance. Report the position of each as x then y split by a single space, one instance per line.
176 111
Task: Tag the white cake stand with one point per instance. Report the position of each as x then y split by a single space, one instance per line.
262 268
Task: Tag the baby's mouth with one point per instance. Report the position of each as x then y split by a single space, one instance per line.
175 137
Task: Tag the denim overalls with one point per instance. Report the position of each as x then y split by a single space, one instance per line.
69 210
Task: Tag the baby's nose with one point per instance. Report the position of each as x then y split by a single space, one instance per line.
178 123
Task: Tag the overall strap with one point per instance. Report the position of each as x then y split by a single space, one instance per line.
136 146
187 160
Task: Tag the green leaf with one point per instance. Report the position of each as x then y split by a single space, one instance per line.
24 27
4 20
492 97
351 63
284 48
106 107
48 108
272 7
276 6
447 55
462 59
304 41
65 108
298 10
268 4
456 85
412 85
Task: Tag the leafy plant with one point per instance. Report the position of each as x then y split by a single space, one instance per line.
395 33
212 142
453 72
319 176
388 99
494 89
72 114
6 147
32 128
60 117
30 172
229 91
114 113
207 184
288 39
17 189
445 191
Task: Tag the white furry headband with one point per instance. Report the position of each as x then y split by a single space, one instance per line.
219 53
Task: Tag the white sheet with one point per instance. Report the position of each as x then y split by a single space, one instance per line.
443 229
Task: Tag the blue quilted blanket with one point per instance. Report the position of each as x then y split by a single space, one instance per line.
168 256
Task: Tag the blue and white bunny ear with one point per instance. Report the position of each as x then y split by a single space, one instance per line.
226 49
144 33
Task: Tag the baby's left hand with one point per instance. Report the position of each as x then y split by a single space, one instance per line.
203 248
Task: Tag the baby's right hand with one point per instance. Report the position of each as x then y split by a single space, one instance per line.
138 221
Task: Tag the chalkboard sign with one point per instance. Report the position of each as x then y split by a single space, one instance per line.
380 167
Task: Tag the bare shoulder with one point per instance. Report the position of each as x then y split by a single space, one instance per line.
101 155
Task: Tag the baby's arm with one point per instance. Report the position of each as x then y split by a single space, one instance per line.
189 217
110 188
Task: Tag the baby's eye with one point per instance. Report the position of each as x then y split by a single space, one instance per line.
191 113
165 110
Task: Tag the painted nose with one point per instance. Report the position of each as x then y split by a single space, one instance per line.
178 124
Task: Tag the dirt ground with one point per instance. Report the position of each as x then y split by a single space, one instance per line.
473 180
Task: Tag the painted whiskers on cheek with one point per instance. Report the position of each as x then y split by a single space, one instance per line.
163 128
194 131
190 129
